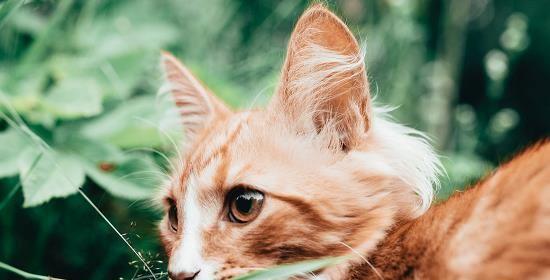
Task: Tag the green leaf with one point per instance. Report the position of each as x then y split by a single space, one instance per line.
134 178
288 270
132 124
74 98
92 150
29 21
54 175
8 8
12 144
130 176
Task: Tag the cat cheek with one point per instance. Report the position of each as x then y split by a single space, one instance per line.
167 238
167 244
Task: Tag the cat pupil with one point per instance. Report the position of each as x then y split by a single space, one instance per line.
244 205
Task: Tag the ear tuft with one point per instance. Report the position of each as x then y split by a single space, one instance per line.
197 106
320 26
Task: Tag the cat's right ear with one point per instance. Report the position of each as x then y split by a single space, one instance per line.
323 85
197 106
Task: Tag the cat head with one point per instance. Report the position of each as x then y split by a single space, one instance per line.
316 173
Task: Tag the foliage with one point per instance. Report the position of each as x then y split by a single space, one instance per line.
78 84
289 270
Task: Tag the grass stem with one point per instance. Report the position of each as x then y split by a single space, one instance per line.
25 274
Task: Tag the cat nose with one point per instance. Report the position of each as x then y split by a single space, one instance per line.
187 275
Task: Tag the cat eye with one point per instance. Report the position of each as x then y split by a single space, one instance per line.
244 205
173 216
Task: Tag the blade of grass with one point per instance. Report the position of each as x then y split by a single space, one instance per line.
8 8
20 183
117 232
288 270
20 125
10 196
39 46
25 274
146 277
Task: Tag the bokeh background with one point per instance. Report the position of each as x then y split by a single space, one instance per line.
80 108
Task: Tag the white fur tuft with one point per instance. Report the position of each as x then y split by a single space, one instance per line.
409 154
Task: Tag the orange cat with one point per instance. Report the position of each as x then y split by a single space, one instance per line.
498 229
320 172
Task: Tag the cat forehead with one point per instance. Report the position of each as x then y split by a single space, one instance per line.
203 159
249 149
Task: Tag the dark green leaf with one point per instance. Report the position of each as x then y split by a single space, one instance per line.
12 145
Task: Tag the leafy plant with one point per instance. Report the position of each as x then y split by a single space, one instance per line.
80 114
76 101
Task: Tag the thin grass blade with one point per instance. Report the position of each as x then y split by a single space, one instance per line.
289 270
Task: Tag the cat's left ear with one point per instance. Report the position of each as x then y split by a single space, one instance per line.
197 106
323 81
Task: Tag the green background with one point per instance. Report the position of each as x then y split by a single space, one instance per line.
83 76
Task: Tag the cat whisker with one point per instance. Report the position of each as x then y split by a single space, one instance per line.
165 134
258 95
364 259
153 150
151 172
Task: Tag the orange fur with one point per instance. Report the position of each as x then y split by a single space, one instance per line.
333 172
498 229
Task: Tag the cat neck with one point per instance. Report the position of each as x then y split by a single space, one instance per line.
497 229
412 248
409 250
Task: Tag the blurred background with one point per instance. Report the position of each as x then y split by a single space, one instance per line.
80 110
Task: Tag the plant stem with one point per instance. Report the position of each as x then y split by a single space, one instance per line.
7 9
19 184
117 232
10 195
38 47
25 274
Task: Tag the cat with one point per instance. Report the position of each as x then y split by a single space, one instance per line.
321 171
497 229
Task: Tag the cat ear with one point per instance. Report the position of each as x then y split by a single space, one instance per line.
197 106
323 81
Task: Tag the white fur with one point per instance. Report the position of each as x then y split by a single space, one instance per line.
408 152
405 150
187 256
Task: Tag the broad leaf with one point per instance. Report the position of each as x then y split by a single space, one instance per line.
132 124
12 144
126 175
74 98
92 150
135 178
54 175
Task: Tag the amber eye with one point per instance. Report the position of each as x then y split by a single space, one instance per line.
173 216
244 204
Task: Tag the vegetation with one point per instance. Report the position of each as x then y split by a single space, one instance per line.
82 125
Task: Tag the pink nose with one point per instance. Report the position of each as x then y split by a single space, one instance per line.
188 275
